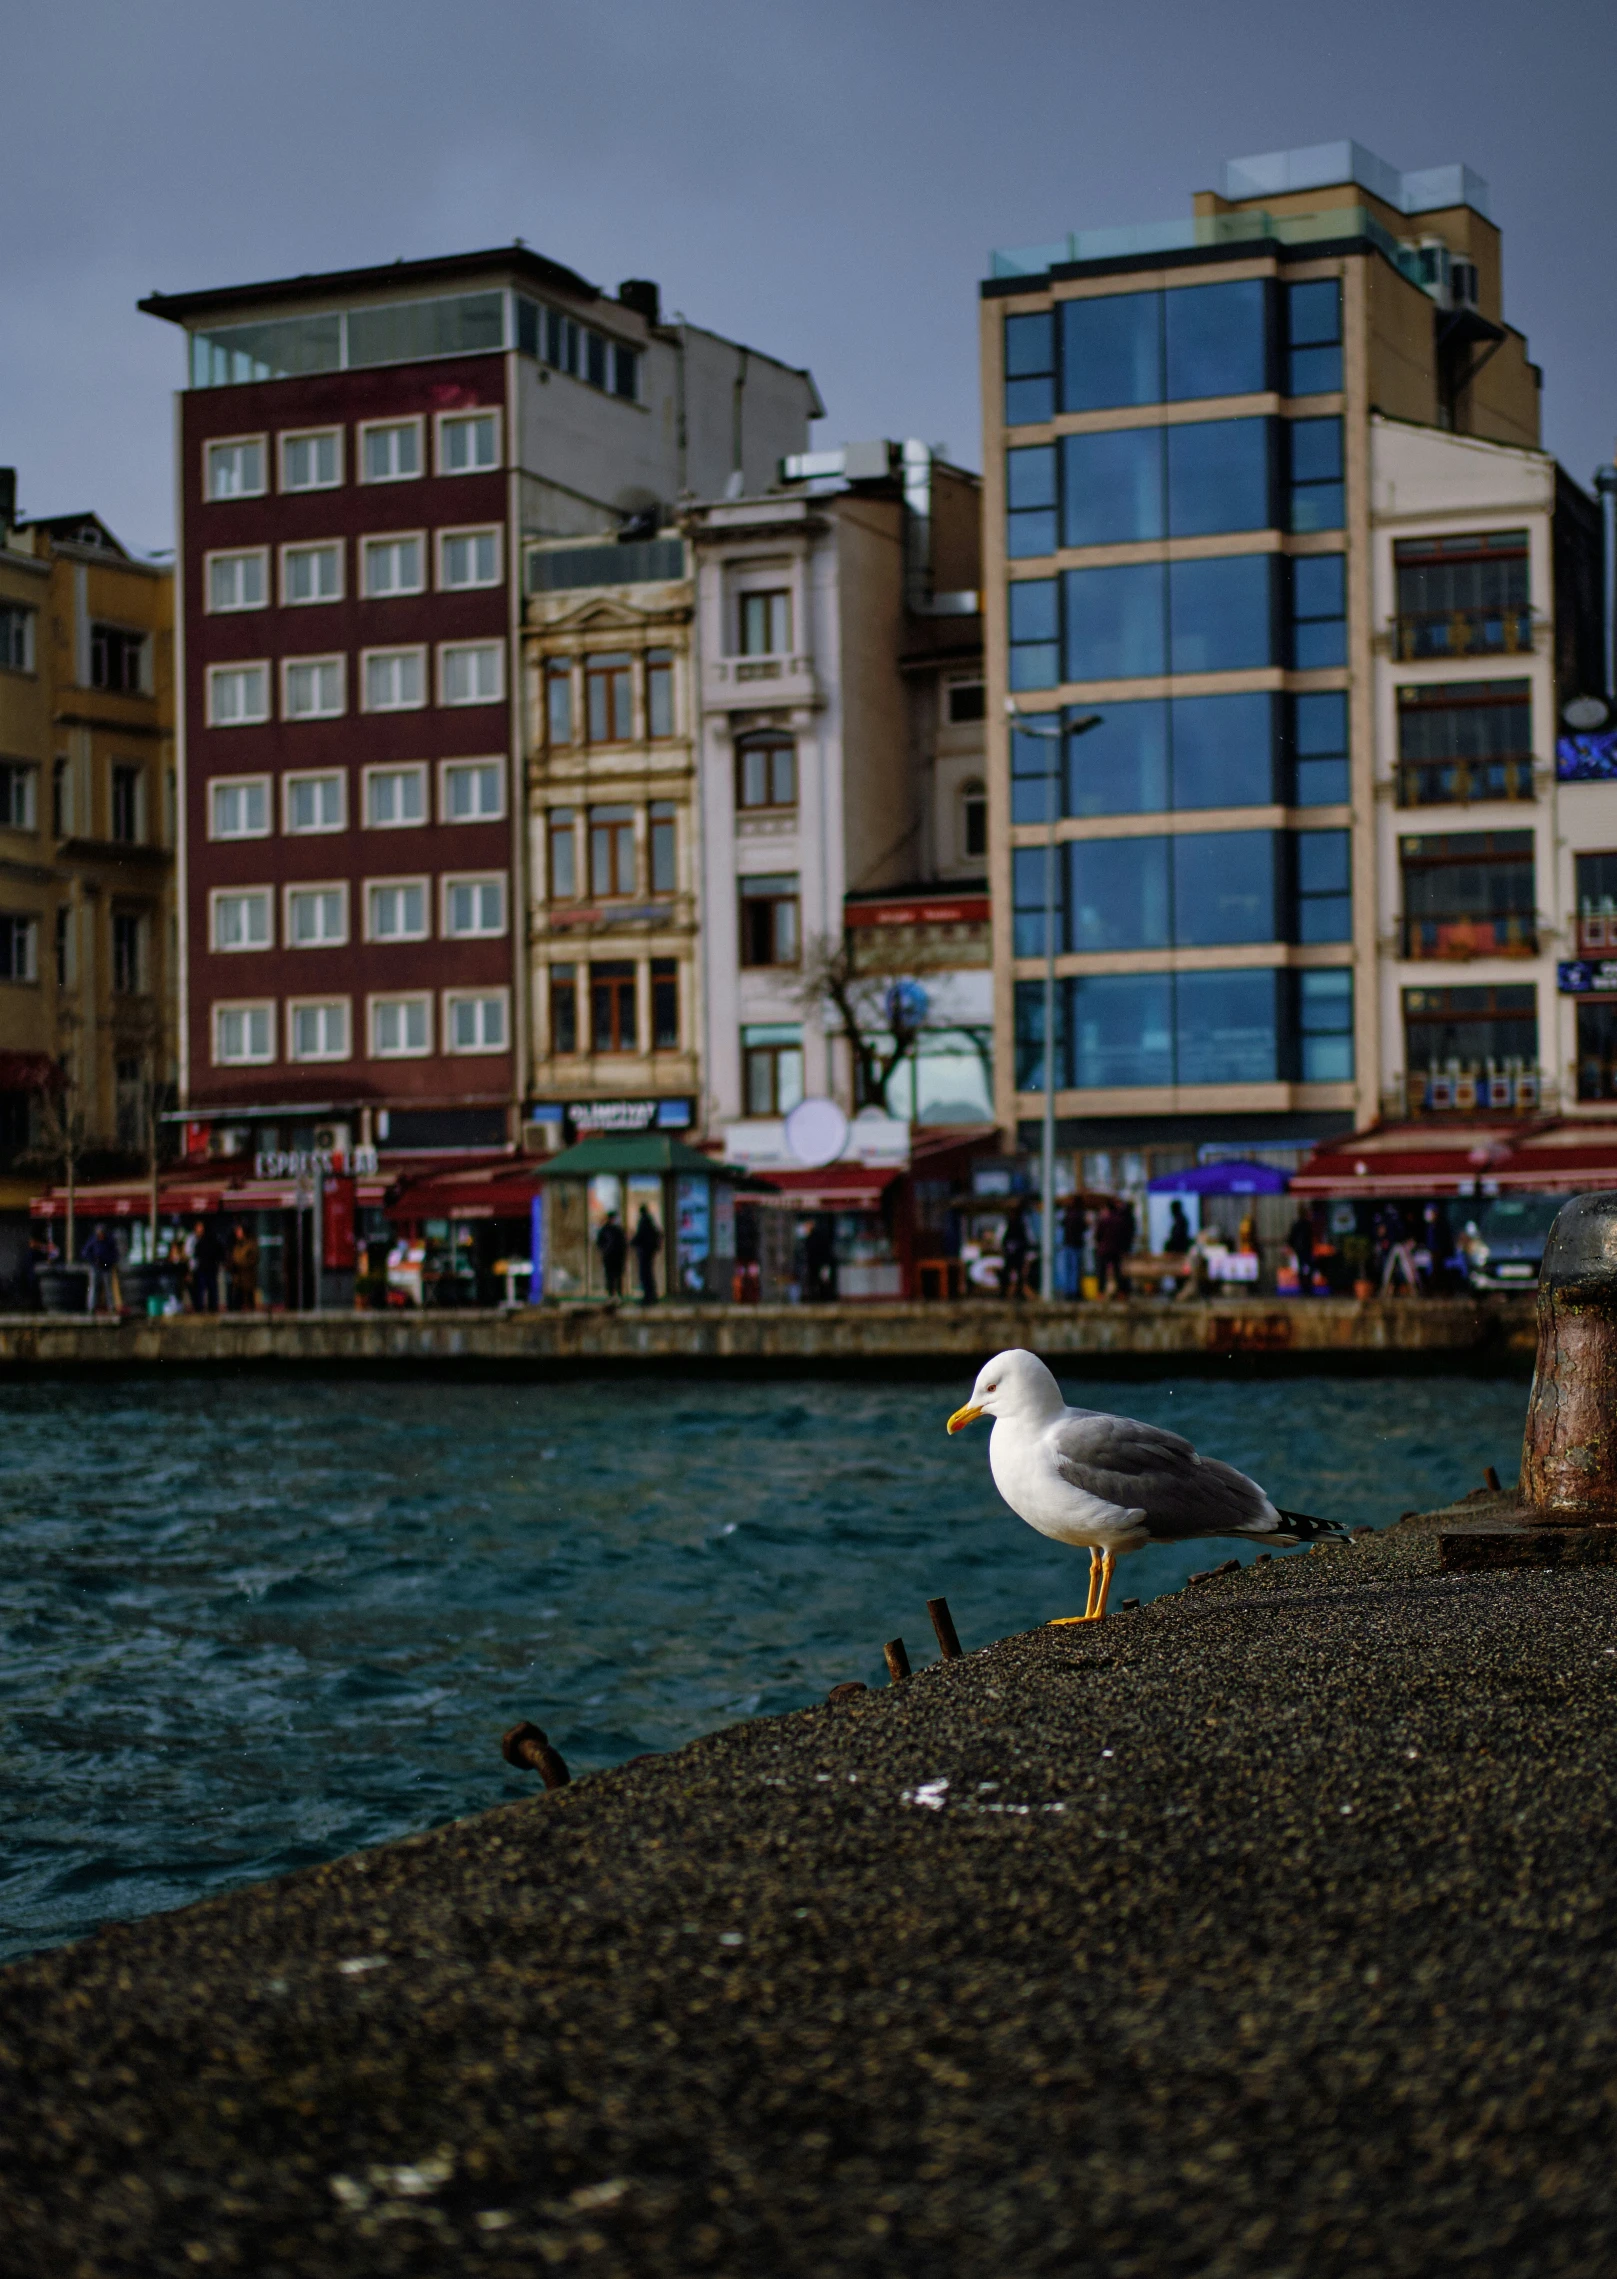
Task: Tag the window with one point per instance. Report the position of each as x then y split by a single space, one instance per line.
1458 1032
237 581
117 659
1030 368
401 1027
317 1029
19 800
1318 611
664 847
1111 351
475 1024
1469 894
126 804
311 573
625 371
563 997
608 699
313 461
1223 750
973 821
765 623
613 1026
1215 340
1036 883
1119 768
1224 888
61 798
313 687
395 680
468 442
1597 1051
474 906
1314 337
664 1005
471 791
1115 622
1113 486
563 834
1035 632
1227 1027
1464 596
1325 1025
396 798
1319 739
316 916
766 772
612 864
316 803
468 558
1464 740
1118 895
659 692
471 672
243 1034
394 565
967 701
406 332
769 920
1030 501
19 947
559 701
1595 890
1121 1030
561 342
396 910
772 1068
595 359
1221 613
241 918
1219 474
235 470
16 638
1324 886
1317 496
128 953
64 947
391 452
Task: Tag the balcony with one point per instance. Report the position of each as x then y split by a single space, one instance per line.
1463 937
1448 633
732 682
1458 783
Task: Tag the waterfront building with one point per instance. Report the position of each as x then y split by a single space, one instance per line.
1248 478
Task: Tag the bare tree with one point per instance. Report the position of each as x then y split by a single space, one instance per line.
63 1125
881 1019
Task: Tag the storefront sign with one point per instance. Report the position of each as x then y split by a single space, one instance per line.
1587 977
304 1162
629 1115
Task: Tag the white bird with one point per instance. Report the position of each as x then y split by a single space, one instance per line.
1085 1477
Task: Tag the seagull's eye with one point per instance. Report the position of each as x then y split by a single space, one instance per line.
994 1388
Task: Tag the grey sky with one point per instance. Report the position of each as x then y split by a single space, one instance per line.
822 181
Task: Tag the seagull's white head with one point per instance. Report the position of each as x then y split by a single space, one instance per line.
1013 1384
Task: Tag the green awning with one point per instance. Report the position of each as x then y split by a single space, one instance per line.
632 1152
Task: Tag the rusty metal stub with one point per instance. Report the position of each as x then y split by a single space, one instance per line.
1569 1447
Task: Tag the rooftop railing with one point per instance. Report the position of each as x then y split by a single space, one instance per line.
1255 226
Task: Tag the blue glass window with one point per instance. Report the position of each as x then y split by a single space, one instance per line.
1030 1036
1035 633
1121 767
1219 477
1324 887
1224 750
1111 351
1227 1026
1316 473
1314 337
1318 611
1217 340
1325 1025
1122 1029
1223 888
1030 368
1035 771
1118 894
1221 612
1115 625
1030 501
1112 485
1027 900
1319 741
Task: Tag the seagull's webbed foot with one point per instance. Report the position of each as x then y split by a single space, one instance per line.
1101 1564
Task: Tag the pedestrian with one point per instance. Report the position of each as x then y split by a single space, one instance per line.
613 1245
1300 1238
1176 1242
820 1260
100 1254
645 1242
1400 1257
1113 1240
1070 1253
1014 1245
206 1258
243 1270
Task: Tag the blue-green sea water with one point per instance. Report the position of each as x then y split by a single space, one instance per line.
248 1626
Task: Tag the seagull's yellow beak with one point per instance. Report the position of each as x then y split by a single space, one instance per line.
962 1417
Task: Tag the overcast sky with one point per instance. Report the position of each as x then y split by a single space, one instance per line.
822 181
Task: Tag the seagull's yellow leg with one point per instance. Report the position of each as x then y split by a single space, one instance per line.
1108 1560
1059 1621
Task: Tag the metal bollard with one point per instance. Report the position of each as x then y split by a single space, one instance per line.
898 1662
943 1624
1569 1449
526 1748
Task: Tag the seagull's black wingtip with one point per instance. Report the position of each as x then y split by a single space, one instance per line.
1304 1529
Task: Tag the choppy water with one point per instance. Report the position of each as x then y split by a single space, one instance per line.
246 1627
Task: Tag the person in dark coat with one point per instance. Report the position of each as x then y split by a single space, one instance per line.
207 1256
1176 1241
1014 1245
1301 1240
613 1245
1114 1238
645 1242
100 1254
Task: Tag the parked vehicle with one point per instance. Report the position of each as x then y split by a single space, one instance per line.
1505 1240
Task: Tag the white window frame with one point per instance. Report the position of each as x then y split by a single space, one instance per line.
313 546
259 554
445 419
212 443
368 427
223 1005
219 894
417 768
417 649
371 538
374 1004
297 1005
219 783
442 538
452 879
454 997
447 649
447 768
307 435
372 886
216 673
339 776
337 886
289 665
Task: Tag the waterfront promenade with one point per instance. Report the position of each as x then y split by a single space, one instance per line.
1335 1333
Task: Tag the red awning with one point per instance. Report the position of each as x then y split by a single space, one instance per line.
839 1187
1415 1160
503 1191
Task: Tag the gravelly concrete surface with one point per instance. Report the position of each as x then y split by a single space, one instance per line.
1271 1930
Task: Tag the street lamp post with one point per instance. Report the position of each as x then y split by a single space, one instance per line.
1047 1180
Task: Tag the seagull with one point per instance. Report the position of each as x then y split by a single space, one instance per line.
1085 1477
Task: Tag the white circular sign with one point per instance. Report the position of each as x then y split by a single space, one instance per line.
1586 712
816 1132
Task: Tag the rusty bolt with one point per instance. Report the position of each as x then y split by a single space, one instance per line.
1490 1478
526 1748
1569 1450
898 1662
943 1623
849 1690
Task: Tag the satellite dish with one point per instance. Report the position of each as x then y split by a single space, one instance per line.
1586 712
816 1133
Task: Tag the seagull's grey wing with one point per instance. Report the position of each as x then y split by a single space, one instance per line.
1143 1468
